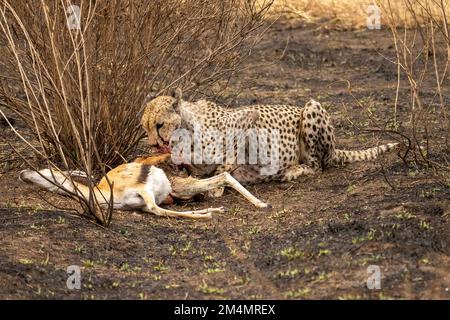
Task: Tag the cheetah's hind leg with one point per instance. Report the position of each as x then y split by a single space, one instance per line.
317 143
317 135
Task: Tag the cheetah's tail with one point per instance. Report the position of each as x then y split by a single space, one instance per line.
347 156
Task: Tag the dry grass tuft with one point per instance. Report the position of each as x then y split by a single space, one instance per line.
352 14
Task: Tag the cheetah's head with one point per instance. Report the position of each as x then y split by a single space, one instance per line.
161 118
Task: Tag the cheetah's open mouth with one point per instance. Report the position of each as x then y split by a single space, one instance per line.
165 148
162 145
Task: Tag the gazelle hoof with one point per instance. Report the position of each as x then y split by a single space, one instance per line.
220 210
201 216
211 210
264 205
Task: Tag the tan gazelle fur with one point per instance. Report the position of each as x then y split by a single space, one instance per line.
141 186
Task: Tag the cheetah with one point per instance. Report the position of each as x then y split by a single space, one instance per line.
305 136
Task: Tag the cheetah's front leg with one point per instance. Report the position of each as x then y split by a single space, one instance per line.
294 172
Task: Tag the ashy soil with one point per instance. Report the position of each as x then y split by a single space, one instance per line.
316 243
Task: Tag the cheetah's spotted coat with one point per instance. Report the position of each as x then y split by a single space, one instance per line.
306 145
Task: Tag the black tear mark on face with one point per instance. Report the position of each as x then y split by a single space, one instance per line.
158 128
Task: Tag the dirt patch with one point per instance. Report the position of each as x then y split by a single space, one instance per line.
316 242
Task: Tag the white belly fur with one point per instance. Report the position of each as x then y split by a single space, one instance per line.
158 184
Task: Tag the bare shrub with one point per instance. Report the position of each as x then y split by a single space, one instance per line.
78 73
423 57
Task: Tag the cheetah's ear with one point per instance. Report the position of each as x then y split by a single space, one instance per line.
177 94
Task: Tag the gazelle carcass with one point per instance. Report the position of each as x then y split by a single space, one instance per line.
141 186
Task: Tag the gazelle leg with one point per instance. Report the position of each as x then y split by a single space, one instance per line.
186 188
195 214
233 183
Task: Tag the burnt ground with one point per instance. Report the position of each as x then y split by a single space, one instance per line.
318 240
